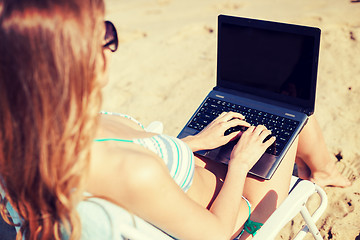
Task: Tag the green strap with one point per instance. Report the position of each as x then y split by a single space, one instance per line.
252 227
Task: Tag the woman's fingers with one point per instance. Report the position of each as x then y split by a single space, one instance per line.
236 122
270 142
250 130
227 116
231 119
262 133
221 115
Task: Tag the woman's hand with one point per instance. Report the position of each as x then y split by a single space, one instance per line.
212 136
251 146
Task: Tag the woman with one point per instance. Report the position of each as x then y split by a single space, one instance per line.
53 63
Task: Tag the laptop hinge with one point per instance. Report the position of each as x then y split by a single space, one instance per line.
306 111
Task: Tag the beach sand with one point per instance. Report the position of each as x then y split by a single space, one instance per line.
166 64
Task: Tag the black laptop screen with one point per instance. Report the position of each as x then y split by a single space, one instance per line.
270 58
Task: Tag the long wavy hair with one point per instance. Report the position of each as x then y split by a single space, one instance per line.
49 100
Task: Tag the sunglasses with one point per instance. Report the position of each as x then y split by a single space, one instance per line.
111 37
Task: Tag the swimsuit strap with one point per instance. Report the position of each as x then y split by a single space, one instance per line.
112 139
123 115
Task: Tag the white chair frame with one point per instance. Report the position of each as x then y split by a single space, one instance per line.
295 203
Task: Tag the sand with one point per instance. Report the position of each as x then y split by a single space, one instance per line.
166 65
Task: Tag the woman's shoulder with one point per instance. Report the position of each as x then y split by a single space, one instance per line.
127 164
124 153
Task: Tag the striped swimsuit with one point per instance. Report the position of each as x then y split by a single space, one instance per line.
176 154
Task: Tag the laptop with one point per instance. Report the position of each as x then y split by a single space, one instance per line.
266 71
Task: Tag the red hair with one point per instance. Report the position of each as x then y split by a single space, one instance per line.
49 100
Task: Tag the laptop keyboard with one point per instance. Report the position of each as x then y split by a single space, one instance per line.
282 128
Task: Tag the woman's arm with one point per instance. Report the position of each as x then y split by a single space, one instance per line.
145 188
142 185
